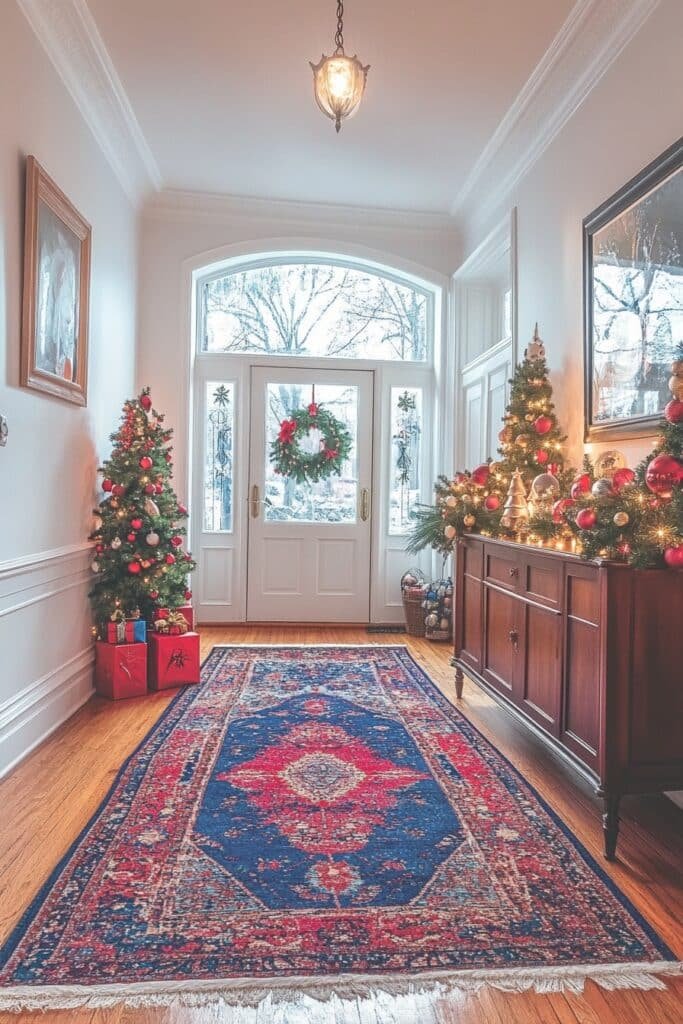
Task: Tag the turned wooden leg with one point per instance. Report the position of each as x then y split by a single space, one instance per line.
459 680
610 824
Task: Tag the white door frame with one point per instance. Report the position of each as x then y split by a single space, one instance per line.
437 377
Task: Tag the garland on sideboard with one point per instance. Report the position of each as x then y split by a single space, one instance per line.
624 515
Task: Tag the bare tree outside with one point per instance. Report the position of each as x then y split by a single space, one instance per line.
316 310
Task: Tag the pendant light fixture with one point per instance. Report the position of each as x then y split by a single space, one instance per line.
339 81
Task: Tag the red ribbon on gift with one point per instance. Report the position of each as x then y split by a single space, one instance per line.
287 431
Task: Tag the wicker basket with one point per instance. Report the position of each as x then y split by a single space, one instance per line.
413 611
441 636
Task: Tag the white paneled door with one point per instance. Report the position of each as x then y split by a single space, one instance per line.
309 544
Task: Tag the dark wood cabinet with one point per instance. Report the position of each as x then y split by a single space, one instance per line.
587 655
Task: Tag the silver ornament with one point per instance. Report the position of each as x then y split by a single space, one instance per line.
602 488
116 543
545 487
152 538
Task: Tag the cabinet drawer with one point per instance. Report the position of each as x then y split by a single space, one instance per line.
541 581
502 568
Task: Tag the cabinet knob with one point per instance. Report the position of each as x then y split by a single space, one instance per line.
513 571
513 637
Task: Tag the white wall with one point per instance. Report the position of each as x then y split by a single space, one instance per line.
47 470
178 230
632 115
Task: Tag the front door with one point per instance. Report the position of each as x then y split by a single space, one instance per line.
309 543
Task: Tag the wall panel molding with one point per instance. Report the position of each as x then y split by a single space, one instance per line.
43 595
67 32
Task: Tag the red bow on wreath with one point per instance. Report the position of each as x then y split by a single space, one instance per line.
287 431
331 453
313 409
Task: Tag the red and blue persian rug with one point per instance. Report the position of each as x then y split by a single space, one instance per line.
319 820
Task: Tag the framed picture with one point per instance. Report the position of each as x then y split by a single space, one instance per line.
54 335
633 300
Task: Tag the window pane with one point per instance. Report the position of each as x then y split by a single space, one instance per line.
406 438
314 310
333 500
218 457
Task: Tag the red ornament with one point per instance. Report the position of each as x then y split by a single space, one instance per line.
149 488
136 523
169 458
176 541
158 488
170 559
481 474
492 502
586 519
132 537
674 556
118 490
154 594
107 484
460 478
99 548
559 507
622 478
187 556
542 457
673 412
182 511
134 568
146 402
581 485
543 424
145 462
663 475
188 595
313 409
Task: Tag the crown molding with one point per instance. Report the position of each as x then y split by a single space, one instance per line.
68 34
176 204
589 41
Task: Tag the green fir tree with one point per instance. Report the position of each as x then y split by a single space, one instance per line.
139 562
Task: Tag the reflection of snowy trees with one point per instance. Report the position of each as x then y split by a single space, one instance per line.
637 315
310 309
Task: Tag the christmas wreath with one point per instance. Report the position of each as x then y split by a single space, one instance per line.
311 445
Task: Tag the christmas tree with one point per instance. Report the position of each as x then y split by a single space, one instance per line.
139 563
531 440
531 445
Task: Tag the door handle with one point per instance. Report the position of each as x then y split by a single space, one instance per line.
364 504
513 637
255 501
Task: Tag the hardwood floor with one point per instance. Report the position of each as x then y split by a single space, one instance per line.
51 795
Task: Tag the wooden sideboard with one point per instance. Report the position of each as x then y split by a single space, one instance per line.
589 656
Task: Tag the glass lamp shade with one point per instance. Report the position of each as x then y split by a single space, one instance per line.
339 84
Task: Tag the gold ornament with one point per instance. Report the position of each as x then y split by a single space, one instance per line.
621 518
469 521
449 531
528 417
522 440
151 507
451 501
515 510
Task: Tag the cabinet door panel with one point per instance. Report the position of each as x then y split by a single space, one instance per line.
470 650
499 652
537 686
580 727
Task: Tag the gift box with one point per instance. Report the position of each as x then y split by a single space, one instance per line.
126 631
120 670
187 611
173 660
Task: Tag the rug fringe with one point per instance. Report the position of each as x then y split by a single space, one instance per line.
345 998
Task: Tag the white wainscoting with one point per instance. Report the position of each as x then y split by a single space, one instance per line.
46 651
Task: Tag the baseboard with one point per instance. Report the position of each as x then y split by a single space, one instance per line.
29 716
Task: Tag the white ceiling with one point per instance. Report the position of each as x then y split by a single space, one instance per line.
223 92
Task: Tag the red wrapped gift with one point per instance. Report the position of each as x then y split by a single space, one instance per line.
173 660
187 611
120 670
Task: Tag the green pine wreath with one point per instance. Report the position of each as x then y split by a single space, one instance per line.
310 467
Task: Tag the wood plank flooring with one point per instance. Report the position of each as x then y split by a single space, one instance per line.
51 795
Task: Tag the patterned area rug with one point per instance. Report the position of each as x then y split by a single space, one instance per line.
320 820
